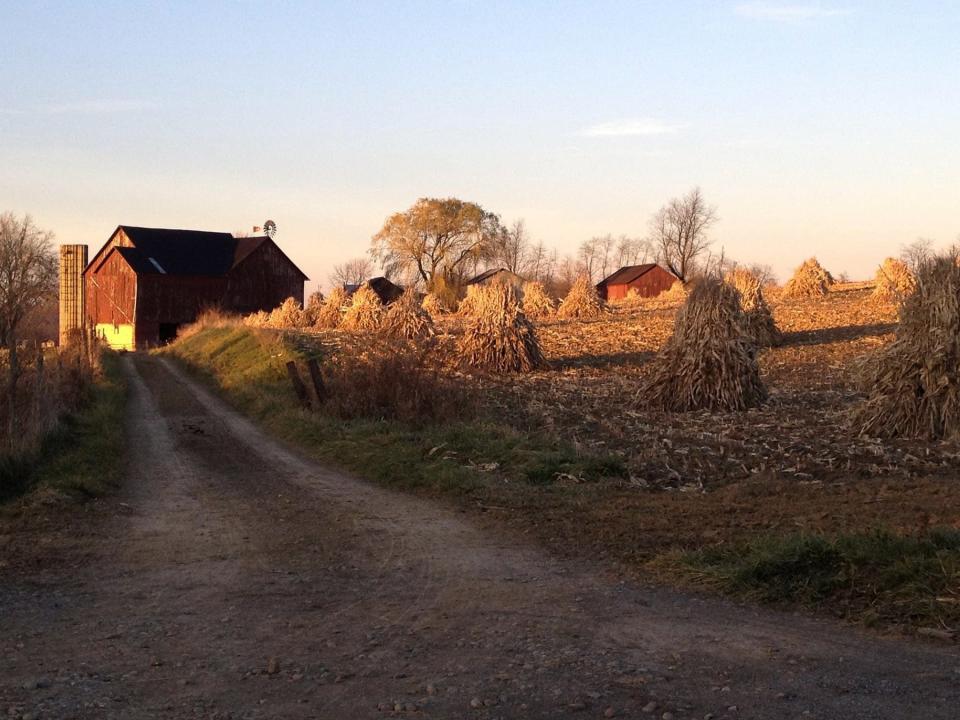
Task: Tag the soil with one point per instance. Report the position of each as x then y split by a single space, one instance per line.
233 578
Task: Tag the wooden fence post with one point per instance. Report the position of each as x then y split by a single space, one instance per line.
298 387
318 385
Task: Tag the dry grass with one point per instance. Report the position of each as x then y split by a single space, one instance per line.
582 302
808 281
894 281
406 318
499 338
537 303
758 317
914 383
709 363
366 311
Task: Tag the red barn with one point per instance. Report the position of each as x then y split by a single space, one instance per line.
648 280
145 283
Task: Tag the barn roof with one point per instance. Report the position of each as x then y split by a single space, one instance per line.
385 289
184 252
485 275
628 274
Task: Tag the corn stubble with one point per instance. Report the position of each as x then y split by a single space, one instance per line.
913 384
710 361
499 338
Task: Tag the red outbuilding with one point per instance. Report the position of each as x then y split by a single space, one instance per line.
648 280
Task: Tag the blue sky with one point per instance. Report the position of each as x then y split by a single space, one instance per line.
816 128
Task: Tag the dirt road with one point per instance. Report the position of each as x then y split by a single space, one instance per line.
234 579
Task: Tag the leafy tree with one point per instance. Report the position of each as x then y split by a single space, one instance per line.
436 238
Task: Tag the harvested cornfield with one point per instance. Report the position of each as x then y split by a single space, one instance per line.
582 302
710 362
499 338
288 316
407 319
913 384
366 310
894 281
758 318
810 280
330 314
536 303
433 305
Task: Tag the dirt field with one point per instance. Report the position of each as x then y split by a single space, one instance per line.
234 579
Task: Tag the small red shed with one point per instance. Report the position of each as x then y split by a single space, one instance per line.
649 280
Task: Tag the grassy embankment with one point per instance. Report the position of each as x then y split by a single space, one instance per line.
573 500
83 455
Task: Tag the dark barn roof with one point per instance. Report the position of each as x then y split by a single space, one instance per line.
185 252
485 275
627 274
386 290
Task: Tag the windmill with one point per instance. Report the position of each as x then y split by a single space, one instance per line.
269 228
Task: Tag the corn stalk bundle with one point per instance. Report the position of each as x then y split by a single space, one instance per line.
499 337
314 303
710 362
407 319
468 305
913 384
758 318
330 314
582 302
809 280
257 319
536 303
433 305
678 292
288 315
894 282
365 312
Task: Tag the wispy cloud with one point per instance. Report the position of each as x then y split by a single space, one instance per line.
636 127
85 107
787 12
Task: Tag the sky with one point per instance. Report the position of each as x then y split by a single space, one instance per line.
815 128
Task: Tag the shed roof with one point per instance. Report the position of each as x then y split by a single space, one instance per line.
487 274
627 274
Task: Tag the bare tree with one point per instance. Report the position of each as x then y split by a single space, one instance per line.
511 247
352 272
28 278
917 253
678 231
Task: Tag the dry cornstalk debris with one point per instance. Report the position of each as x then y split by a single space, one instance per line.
468 304
913 384
710 362
499 337
894 281
678 292
536 302
758 317
406 317
433 305
366 310
808 281
582 302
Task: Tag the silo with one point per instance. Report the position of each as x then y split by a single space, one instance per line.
73 259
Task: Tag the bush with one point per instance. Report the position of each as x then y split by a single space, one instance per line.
395 380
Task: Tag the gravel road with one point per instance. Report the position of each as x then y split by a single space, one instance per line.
233 578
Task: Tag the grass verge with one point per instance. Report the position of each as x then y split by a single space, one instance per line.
878 578
83 456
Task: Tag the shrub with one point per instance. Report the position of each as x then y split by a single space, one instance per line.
499 337
399 379
710 362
